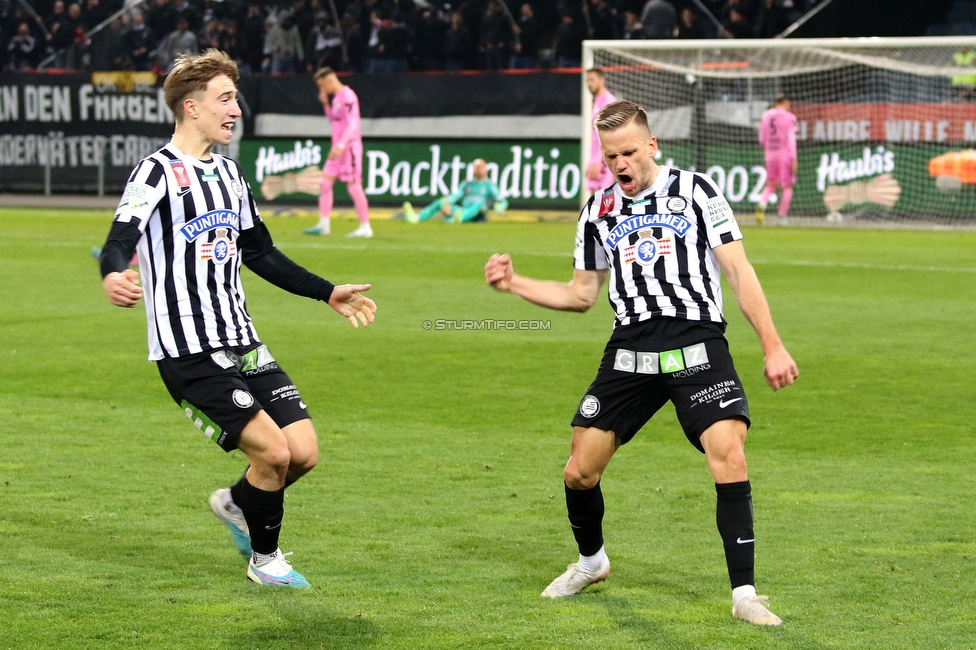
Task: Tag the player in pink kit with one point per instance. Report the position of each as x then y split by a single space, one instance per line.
598 175
777 135
345 161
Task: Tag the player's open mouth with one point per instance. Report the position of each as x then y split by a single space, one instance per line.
227 126
625 180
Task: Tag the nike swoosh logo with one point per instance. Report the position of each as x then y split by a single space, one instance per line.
302 404
272 527
739 540
182 193
722 404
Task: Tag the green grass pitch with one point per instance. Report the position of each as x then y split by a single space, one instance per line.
436 514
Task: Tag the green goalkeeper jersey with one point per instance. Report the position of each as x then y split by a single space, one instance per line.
477 191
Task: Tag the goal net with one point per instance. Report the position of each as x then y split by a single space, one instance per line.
886 127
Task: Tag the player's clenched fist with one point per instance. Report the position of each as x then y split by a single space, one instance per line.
498 272
123 288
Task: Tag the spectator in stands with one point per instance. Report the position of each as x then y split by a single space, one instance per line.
736 25
659 18
93 15
108 48
183 9
61 33
283 46
526 48
139 41
601 19
773 17
211 34
180 41
632 25
303 17
357 42
689 26
22 50
569 42
323 48
230 43
160 17
496 34
429 51
251 30
392 51
457 44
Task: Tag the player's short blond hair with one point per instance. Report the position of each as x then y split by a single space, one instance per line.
322 73
597 71
619 114
192 73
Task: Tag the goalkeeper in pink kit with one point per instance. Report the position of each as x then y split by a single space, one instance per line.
777 135
598 175
345 161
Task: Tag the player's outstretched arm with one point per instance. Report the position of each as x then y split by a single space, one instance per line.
347 300
779 368
579 294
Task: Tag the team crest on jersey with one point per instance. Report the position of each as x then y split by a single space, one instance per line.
211 221
647 249
182 178
677 204
606 203
220 250
673 222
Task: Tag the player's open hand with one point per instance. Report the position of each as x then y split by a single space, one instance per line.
780 369
356 307
123 288
499 272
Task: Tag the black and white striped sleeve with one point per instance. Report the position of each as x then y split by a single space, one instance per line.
718 219
589 254
142 194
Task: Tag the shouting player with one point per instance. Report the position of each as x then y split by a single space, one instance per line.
192 217
663 235
345 161
777 135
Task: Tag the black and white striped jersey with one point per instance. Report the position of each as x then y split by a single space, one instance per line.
191 214
658 247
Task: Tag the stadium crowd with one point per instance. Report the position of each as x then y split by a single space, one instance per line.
360 35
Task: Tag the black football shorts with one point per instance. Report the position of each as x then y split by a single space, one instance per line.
220 391
646 364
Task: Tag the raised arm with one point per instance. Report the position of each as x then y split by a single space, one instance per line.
579 294
780 369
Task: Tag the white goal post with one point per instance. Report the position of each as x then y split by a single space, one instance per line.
886 126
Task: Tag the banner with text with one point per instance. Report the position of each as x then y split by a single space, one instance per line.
540 174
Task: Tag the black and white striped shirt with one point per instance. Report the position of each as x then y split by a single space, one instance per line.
658 247
191 214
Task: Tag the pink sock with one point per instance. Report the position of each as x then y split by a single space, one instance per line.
784 204
325 199
359 200
767 193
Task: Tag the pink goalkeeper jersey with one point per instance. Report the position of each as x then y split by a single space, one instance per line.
343 116
599 103
777 132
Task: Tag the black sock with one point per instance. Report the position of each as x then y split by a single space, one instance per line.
586 517
263 512
733 514
235 489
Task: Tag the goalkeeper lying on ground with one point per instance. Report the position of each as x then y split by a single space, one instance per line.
476 198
